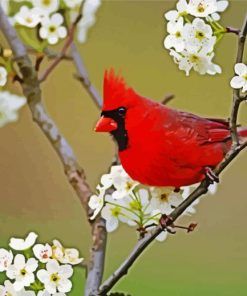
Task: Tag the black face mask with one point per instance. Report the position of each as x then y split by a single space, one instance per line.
120 134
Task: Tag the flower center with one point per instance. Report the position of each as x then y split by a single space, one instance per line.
55 278
52 29
28 20
200 35
23 272
200 8
115 211
134 205
164 197
128 185
245 76
46 2
194 58
178 34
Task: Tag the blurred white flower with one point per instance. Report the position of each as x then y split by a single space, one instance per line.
42 252
20 244
9 290
200 62
112 212
56 277
72 3
89 10
96 202
6 258
164 199
174 15
3 76
175 39
202 8
47 6
9 105
22 271
240 81
28 17
199 36
52 28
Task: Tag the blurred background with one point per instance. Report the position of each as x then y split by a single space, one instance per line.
35 194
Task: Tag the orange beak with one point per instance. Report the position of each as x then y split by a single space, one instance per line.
105 124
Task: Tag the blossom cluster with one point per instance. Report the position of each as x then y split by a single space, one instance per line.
37 269
134 204
193 33
50 18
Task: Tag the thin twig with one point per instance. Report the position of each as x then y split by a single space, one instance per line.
167 99
62 53
199 191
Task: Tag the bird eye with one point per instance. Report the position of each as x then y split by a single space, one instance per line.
121 111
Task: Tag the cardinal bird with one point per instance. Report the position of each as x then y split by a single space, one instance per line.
161 146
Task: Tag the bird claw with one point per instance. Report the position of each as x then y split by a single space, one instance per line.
211 175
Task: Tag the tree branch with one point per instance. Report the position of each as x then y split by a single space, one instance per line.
83 77
199 191
75 174
236 93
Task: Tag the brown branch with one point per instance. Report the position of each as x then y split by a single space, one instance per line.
62 53
167 99
236 93
199 191
83 77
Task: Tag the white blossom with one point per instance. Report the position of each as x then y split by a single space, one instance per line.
20 244
9 290
22 271
120 180
3 76
28 17
113 212
199 36
65 255
175 39
71 256
240 81
174 15
52 28
56 277
47 6
9 105
5 6
200 62
202 8
89 10
42 252
164 199
96 202
6 258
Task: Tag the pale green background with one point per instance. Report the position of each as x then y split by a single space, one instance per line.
35 194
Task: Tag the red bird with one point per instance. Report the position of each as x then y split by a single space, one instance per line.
160 146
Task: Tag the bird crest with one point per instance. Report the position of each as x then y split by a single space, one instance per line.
116 92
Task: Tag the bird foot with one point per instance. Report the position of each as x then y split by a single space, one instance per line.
211 175
167 224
